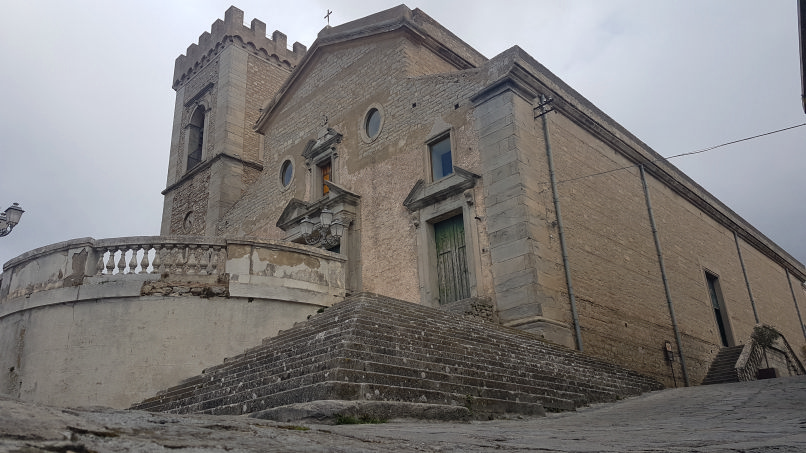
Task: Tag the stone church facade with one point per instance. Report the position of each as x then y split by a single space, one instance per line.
466 183
355 128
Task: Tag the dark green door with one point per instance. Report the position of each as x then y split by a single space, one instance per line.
451 260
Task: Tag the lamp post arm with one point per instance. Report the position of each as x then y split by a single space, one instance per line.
10 218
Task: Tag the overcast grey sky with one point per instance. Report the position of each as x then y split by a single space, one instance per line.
87 104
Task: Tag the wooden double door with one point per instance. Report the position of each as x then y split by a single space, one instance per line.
452 277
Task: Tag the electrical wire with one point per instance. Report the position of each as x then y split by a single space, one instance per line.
710 148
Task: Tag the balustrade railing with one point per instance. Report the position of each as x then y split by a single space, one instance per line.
749 362
752 359
160 255
87 261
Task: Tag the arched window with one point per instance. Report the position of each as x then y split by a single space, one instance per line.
195 137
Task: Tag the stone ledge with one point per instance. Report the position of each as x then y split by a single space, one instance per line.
328 411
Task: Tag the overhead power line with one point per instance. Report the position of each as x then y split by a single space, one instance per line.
710 148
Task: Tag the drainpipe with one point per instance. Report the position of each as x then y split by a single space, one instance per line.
563 248
794 299
746 280
663 276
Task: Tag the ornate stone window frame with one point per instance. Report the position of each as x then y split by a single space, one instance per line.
203 100
205 111
317 154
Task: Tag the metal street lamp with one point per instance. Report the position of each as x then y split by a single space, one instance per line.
10 218
327 233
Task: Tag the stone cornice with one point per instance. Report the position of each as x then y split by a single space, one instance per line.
297 209
207 164
509 82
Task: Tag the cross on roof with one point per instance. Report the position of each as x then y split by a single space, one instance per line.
327 16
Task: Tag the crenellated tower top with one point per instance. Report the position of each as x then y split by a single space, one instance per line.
233 30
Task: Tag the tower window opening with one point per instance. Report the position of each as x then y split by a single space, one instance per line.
195 137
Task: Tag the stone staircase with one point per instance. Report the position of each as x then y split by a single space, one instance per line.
374 348
723 368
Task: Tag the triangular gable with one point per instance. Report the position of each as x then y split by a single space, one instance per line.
297 209
428 31
422 194
294 209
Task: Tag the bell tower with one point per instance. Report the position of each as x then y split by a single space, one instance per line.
221 83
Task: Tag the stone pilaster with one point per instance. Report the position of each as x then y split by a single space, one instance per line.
525 255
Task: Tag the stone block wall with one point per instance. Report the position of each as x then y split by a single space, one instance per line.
621 302
623 310
344 82
188 205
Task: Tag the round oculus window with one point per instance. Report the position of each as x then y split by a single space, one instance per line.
372 124
286 173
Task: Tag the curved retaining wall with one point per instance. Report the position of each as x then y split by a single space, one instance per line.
113 321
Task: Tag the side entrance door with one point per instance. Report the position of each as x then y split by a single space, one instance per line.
451 260
718 306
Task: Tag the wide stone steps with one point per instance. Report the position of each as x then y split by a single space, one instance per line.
372 347
399 371
723 368
237 401
485 373
430 391
432 339
494 376
289 370
550 355
550 360
524 340
359 391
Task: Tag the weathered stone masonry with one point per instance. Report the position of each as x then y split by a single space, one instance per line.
257 106
393 61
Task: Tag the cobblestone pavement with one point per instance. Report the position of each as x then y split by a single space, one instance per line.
762 416
754 416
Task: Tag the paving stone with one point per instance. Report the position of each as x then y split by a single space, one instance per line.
757 416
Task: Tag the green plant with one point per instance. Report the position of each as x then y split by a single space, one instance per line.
470 403
294 427
765 336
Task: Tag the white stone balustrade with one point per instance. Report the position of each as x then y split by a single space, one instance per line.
253 268
175 256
